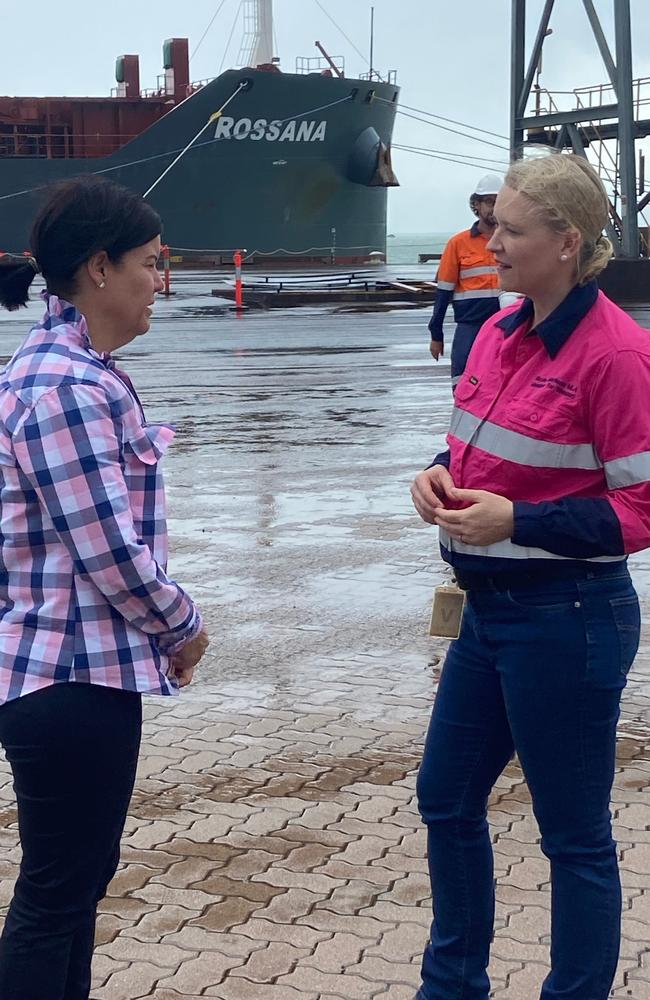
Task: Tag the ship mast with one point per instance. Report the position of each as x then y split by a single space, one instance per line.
257 44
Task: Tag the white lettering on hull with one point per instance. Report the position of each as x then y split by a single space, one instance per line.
271 131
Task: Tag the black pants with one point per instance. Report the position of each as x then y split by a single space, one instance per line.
73 751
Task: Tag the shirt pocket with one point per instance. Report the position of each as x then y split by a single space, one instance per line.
546 421
627 618
475 254
472 260
466 389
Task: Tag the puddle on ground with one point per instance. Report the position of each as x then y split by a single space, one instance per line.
230 784
8 816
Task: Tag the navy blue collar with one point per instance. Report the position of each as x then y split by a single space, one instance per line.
556 329
475 231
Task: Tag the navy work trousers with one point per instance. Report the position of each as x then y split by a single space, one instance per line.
73 751
464 337
538 671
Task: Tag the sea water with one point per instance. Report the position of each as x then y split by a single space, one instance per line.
404 248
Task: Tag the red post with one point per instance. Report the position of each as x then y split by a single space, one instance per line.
166 269
239 298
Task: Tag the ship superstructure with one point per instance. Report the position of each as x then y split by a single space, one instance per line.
289 165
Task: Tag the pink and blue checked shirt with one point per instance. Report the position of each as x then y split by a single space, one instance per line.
83 541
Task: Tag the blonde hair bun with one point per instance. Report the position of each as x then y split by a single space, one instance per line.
570 195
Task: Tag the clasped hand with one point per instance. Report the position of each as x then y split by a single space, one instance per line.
184 661
486 518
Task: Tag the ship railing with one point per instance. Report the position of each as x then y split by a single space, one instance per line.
161 90
61 145
198 85
390 77
120 92
318 64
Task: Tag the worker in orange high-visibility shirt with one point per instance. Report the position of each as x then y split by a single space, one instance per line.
467 277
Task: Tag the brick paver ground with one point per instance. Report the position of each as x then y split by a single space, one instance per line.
273 850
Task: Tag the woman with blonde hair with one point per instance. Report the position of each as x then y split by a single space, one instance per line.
541 496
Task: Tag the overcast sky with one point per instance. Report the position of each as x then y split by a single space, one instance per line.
452 59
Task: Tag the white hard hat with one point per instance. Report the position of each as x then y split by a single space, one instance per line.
489 184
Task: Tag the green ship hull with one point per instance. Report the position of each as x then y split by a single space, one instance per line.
296 167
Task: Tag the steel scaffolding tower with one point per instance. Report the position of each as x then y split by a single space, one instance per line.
586 123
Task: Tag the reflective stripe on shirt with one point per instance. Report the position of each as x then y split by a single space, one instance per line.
477 293
508 550
628 471
519 448
474 272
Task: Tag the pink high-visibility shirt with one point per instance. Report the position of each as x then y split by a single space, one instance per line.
557 419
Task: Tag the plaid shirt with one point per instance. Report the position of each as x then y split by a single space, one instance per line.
83 539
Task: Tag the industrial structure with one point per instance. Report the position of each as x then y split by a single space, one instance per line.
607 120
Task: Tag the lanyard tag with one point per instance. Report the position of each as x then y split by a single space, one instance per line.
447 611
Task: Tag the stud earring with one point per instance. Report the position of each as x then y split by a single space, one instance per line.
563 256
102 284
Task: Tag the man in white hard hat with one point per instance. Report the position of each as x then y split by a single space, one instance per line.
468 278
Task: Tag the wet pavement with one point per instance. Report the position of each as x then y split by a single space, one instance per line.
273 849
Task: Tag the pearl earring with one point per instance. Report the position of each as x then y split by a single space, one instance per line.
563 256
102 284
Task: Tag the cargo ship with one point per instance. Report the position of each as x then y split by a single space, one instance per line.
286 166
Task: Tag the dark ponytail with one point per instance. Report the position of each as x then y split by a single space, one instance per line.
79 218
16 275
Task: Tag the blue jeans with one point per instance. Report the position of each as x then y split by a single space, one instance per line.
464 337
538 671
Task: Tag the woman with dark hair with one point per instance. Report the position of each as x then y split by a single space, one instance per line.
542 495
89 620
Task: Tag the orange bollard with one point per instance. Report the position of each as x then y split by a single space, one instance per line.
166 270
239 297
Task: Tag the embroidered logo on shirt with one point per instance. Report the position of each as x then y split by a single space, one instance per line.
558 384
